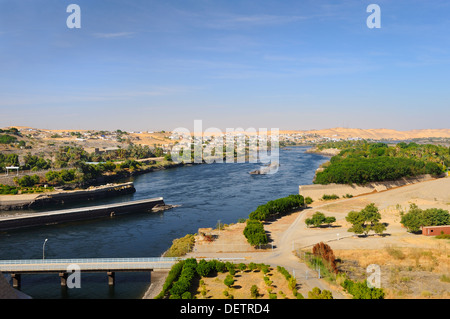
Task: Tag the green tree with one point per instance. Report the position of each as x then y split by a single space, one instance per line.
368 219
27 181
254 291
255 233
319 219
416 218
204 268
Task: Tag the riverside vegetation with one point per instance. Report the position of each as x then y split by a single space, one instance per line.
73 167
191 279
361 162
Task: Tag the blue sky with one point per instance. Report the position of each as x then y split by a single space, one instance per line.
153 65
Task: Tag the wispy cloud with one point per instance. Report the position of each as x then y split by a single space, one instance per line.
113 35
232 21
33 99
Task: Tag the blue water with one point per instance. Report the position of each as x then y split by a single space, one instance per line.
206 193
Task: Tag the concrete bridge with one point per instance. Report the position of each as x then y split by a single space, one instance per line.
65 267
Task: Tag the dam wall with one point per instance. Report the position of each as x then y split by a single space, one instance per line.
316 191
77 214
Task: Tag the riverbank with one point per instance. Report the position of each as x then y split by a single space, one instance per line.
59 197
329 152
290 235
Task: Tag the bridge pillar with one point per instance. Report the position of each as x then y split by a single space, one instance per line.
111 277
63 276
17 280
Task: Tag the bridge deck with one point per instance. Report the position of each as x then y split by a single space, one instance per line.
97 264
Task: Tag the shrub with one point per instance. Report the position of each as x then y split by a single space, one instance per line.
360 290
184 281
204 268
325 252
279 206
251 266
7 139
330 197
174 272
219 266
229 281
27 181
255 233
319 219
242 266
254 291
268 281
316 293
8 190
186 295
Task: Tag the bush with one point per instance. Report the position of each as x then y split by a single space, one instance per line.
255 233
254 291
219 266
316 293
27 181
330 197
7 139
61 177
318 219
229 281
276 207
325 252
204 268
184 281
173 275
8 190
360 290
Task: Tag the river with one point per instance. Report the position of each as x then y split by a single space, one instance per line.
205 193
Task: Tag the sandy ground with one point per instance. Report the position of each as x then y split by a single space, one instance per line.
290 233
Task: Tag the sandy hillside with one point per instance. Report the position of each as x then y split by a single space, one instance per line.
376 133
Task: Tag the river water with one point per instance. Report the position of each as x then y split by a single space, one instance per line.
205 193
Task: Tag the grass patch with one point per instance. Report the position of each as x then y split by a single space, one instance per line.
395 252
445 278
180 246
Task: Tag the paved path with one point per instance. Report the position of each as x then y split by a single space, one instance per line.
283 256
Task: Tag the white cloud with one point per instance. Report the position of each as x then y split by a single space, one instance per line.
113 35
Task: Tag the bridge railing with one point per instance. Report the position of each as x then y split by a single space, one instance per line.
87 264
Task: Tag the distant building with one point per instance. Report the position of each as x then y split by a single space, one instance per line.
435 230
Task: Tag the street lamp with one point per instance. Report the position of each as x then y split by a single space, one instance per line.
43 249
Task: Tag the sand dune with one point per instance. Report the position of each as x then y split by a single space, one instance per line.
378 133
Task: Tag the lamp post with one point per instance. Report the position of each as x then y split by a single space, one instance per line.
43 249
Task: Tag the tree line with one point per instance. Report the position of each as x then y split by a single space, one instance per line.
254 230
361 162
